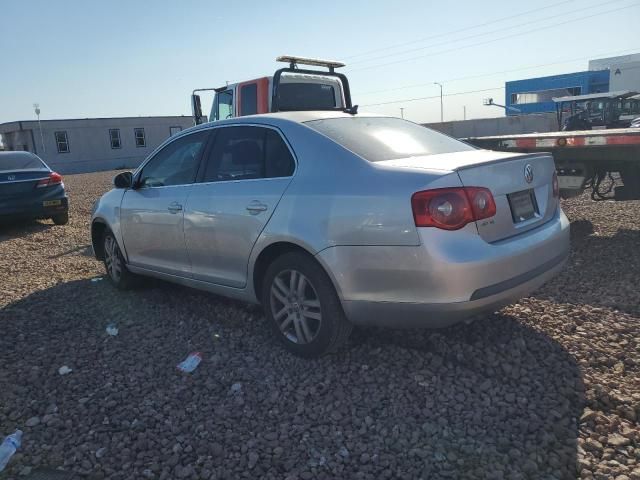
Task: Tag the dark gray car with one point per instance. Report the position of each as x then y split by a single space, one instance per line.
30 189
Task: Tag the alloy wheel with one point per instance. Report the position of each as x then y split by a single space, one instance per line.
112 258
295 306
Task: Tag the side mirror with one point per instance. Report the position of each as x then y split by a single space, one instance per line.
123 180
196 108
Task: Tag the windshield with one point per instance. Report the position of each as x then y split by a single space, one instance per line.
377 138
20 162
306 96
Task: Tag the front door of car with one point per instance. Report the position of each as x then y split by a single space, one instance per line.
152 213
241 182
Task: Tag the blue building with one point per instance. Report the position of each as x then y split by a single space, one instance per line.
535 95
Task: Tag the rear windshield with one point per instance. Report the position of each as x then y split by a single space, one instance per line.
306 96
20 162
377 139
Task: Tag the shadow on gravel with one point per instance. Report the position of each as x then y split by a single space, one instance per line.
494 399
602 271
21 228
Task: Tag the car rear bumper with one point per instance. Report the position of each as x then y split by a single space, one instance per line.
43 207
451 277
440 315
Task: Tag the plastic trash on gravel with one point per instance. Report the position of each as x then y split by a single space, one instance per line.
190 363
63 370
8 447
112 329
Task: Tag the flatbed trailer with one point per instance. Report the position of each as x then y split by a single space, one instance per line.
596 159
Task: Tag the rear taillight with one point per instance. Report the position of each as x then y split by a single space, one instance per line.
53 179
452 208
556 185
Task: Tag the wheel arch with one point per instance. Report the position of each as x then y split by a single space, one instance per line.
98 227
274 250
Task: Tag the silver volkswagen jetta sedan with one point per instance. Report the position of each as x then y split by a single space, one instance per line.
330 219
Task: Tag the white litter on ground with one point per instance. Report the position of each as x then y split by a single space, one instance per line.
112 329
63 370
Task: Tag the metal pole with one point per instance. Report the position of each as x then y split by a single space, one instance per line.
36 106
464 112
402 112
441 104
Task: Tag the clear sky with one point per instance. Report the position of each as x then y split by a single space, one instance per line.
81 58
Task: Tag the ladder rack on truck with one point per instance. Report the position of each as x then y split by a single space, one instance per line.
584 159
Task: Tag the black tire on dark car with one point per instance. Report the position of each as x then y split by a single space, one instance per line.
61 219
115 265
303 307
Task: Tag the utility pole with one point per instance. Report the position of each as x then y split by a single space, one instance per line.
464 112
36 106
441 106
402 112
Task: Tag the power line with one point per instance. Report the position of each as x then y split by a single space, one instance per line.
432 97
472 27
489 74
481 34
493 40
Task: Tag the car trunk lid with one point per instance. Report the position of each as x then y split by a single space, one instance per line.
520 204
14 183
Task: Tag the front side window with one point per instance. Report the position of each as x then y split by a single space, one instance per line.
244 153
62 142
114 137
377 138
224 105
176 164
139 136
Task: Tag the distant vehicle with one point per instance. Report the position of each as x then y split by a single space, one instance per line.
597 110
330 219
30 189
590 147
288 89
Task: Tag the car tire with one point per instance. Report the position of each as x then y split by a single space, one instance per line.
302 306
61 219
115 265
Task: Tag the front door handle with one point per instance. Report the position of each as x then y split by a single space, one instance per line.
256 207
174 207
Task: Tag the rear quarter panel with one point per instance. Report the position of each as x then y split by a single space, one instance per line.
338 198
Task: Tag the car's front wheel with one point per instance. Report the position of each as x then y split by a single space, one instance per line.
114 263
303 307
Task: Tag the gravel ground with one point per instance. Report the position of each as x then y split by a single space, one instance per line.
547 388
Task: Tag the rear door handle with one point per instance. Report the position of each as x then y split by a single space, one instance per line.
256 207
174 207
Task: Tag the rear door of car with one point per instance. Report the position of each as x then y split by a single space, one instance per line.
242 180
152 213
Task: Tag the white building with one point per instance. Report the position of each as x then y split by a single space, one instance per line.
91 144
624 71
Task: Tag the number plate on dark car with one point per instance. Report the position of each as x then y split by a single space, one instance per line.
523 205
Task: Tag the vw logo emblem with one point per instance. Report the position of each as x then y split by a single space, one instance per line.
11 177
528 173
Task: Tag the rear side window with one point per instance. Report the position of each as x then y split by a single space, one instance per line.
306 96
21 162
245 153
377 138
249 99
